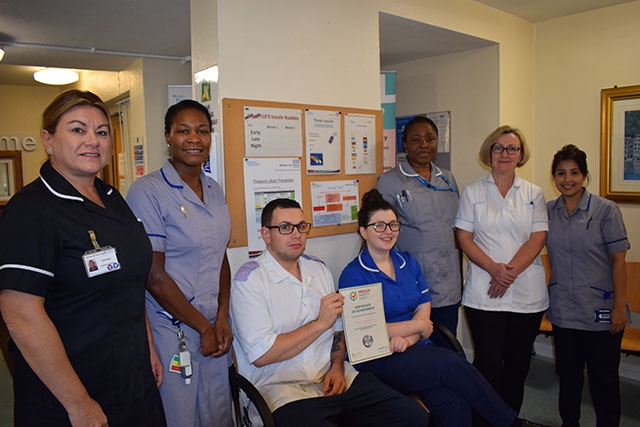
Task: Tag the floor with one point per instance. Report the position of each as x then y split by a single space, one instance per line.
540 403
540 398
6 396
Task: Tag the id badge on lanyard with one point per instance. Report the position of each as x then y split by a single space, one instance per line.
99 260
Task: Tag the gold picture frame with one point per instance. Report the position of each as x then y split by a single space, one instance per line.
620 144
10 175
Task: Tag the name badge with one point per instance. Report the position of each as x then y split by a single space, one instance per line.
602 315
99 260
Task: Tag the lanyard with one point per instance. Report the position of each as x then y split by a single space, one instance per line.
170 318
428 184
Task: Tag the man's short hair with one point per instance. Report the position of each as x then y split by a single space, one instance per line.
267 212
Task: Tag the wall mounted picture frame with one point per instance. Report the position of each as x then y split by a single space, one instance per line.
10 175
620 144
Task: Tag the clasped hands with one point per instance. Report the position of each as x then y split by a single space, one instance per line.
502 276
216 340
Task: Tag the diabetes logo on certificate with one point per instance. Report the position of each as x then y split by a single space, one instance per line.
353 295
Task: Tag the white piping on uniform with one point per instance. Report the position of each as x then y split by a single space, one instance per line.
62 196
28 268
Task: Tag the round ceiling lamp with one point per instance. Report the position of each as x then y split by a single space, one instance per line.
56 76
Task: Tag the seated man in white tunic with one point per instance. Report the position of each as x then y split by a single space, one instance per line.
289 339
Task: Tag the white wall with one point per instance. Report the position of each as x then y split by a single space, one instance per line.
327 53
464 83
156 75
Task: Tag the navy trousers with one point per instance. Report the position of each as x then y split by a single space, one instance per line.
445 381
600 352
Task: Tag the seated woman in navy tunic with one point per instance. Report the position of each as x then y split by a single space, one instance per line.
447 384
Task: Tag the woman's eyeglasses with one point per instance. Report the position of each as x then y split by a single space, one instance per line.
498 149
287 228
380 226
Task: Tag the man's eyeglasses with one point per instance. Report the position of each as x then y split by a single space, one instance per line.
379 227
498 149
287 228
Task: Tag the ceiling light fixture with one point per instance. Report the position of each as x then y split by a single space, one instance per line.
56 76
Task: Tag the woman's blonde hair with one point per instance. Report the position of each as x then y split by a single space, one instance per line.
490 140
65 102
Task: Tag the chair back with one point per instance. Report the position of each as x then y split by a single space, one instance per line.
633 286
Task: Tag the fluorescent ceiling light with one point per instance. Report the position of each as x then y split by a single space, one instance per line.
56 76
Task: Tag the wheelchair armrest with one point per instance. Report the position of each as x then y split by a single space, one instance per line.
450 339
238 382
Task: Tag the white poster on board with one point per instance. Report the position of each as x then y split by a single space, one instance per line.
442 119
272 132
359 143
266 179
323 141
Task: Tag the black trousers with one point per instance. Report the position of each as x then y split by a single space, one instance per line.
368 402
600 352
502 343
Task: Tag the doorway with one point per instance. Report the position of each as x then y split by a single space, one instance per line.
119 171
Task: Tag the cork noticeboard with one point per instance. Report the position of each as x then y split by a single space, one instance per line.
234 153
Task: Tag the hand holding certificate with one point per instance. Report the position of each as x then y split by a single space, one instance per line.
365 326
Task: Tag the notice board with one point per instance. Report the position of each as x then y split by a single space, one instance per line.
233 127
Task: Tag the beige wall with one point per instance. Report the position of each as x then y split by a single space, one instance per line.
145 81
20 115
576 57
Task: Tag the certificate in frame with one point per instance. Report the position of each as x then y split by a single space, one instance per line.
365 326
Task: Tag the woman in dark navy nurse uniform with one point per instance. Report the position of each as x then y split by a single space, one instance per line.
83 353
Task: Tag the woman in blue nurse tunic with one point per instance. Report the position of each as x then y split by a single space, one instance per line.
448 385
186 218
587 244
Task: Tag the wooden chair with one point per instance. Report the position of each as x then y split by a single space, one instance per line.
631 337
239 383
545 325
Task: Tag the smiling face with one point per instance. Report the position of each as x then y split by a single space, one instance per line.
421 145
506 163
380 242
81 143
285 248
569 179
189 139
